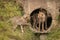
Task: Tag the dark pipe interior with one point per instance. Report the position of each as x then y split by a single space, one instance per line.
35 12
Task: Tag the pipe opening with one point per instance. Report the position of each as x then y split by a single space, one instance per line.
45 20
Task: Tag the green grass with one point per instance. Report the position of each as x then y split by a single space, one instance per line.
10 9
54 34
7 33
58 18
7 10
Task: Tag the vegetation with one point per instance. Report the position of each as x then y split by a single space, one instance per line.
58 18
8 9
54 34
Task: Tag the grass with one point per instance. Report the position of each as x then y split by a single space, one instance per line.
7 33
7 10
10 9
54 34
58 18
